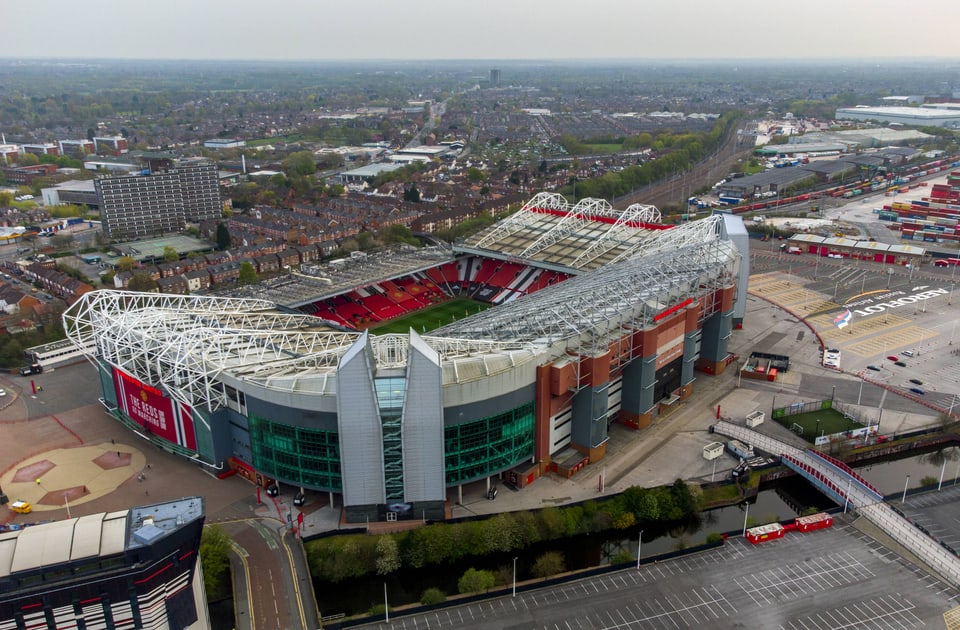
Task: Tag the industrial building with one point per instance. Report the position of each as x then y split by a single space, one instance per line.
598 316
163 198
133 568
912 116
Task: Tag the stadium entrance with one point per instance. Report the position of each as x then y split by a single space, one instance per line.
668 380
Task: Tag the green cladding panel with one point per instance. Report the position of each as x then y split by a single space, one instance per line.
307 457
489 445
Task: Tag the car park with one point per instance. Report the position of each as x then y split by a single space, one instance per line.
917 390
873 367
900 363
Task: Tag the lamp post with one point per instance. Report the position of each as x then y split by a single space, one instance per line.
66 501
942 468
860 395
745 515
639 546
904 497
386 605
514 577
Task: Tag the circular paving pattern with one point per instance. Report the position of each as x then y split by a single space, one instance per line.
49 480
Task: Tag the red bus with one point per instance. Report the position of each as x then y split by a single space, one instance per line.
947 262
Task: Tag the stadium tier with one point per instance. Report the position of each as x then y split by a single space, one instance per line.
600 316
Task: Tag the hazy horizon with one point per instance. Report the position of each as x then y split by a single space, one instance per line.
533 30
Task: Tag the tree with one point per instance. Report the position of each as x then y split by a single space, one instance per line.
412 194
300 163
141 281
126 263
398 234
170 254
550 563
388 555
475 175
62 240
28 159
474 581
223 237
433 596
248 273
215 559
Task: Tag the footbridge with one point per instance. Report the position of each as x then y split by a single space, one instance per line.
836 480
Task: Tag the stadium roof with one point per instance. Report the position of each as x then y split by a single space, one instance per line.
320 281
573 238
191 345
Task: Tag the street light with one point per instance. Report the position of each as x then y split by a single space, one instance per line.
846 497
745 515
514 577
639 546
904 497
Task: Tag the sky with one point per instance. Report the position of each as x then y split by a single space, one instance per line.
486 29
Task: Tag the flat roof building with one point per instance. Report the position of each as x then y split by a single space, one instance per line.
133 568
159 201
914 116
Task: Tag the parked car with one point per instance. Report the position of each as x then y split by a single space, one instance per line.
21 507
916 381
917 390
273 490
893 358
873 367
299 499
907 353
900 363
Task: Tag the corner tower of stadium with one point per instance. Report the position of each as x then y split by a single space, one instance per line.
596 316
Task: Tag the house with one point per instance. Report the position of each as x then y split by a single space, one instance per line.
267 263
197 280
289 258
224 273
173 284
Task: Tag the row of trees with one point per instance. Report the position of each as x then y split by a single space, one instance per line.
337 558
680 153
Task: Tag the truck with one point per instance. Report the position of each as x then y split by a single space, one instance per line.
794 250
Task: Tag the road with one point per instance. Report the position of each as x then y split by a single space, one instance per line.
271 581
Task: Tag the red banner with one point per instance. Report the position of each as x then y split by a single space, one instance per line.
157 414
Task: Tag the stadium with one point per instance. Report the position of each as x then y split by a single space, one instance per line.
573 317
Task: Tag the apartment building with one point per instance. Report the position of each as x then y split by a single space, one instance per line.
162 199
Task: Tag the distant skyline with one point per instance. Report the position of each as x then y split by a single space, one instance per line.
331 30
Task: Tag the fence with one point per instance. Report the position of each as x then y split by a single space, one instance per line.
801 407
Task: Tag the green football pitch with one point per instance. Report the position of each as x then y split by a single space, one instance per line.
432 317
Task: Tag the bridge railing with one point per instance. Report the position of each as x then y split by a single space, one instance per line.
842 467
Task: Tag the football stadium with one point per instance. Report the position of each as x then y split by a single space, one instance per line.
391 382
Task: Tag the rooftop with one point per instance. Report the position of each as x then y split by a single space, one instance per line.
153 248
95 535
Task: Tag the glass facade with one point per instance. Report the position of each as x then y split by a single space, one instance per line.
490 445
391 393
296 454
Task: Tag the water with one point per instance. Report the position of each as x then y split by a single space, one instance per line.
781 501
588 550
890 477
